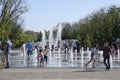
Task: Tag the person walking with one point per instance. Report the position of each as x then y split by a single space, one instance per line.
7 47
106 55
94 50
29 48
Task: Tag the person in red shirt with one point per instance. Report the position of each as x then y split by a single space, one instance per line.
106 55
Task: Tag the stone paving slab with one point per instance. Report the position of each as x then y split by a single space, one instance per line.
58 74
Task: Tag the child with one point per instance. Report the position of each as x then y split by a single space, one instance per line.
45 52
41 58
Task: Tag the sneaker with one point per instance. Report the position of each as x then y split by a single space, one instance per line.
6 67
107 69
86 65
93 66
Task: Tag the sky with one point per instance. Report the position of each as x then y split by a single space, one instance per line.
45 14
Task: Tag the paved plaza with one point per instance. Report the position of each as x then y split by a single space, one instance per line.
37 73
21 70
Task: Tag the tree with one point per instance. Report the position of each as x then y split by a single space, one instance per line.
31 35
66 31
100 26
10 18
39 36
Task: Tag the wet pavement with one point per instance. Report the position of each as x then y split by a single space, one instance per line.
58 74
18 60
58 68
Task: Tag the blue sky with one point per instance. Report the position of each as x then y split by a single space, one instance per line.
45 14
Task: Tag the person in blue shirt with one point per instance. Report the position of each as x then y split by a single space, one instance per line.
29 48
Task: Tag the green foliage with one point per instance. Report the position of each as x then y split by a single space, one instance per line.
100 26
47 34
67 31
39 36
31 35
10 20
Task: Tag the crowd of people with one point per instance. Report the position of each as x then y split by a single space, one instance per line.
40 54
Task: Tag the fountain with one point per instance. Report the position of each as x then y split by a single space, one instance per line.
57 57
71 57
43 39
82 57
58 37
50 42
76 56
16 60
66 50
118 56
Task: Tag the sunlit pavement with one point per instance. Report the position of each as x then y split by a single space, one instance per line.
40 73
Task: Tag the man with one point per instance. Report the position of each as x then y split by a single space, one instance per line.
29 48
0 45
106 55
7 48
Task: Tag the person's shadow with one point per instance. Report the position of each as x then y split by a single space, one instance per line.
91 70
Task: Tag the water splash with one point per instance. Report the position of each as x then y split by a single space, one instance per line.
43 39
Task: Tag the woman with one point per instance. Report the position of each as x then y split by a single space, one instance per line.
93 57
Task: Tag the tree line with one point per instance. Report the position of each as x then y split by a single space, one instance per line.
100 26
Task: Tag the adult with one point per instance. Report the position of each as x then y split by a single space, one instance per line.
48 45
7 47
29 48
58 44
106 55
74 45
0 44
114 49
78 46
66 46
94 50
